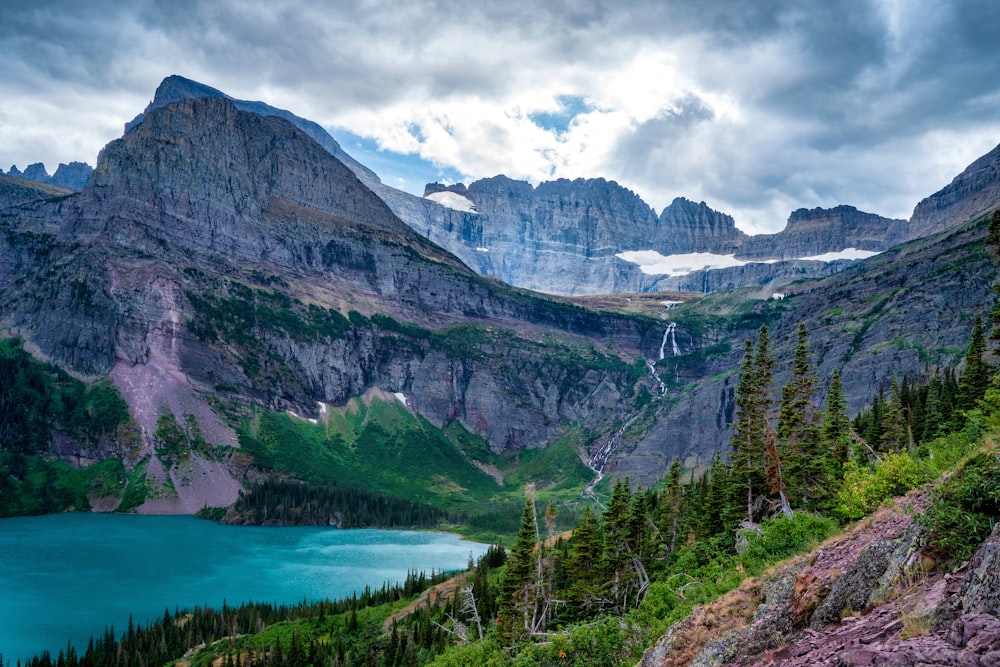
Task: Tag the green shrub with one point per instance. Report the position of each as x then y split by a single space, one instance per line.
865 488
604 643
782 538
965 508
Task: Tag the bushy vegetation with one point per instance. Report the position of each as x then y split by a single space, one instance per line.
966 507
38 400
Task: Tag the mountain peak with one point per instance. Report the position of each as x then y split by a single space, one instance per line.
698 228
974 191
176 87
172 89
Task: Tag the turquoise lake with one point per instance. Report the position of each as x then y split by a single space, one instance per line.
65 577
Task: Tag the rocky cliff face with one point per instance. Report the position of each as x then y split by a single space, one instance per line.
697 228
562 237
202 211
817 231
973 192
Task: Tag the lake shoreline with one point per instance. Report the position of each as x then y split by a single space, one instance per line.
68 568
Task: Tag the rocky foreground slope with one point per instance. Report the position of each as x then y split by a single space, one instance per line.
868 597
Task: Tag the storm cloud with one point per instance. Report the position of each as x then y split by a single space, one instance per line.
757 108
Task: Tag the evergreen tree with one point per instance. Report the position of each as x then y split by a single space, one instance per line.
836 424
582 566
754 408
895 430
975 378
799 456
672 503
516 594
617 562
713 518
870 424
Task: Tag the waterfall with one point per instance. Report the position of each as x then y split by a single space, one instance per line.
600 459
656 377
669 334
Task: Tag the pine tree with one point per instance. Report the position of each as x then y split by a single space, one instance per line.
746 454
617 563
894 427
754 411
582 565
713 516
975 378
672 507
516 594
804 462
836 424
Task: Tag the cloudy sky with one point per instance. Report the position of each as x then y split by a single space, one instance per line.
756 107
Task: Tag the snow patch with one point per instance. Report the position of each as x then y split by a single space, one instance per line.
295 415
847 253
653 263
453 200
401 397
482 249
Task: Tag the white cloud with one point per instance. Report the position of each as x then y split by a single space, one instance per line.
755 108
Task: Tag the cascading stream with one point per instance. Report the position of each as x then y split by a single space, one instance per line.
600 459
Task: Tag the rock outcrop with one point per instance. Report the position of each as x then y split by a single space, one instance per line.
809 233
561 237
865 598
973 192
697 228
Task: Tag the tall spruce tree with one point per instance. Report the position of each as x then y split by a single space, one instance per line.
895 427
975 378
672 507
582 567
744 453
836 423
803 461
517 589
754 410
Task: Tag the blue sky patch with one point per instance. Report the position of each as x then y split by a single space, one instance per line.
405 171
570 106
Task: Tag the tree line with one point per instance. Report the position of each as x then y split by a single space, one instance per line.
291 503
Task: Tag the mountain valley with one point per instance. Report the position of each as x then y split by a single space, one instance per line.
229 305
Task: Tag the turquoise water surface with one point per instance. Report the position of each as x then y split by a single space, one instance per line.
65 577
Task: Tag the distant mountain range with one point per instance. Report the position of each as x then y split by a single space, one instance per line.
72 176
592 236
